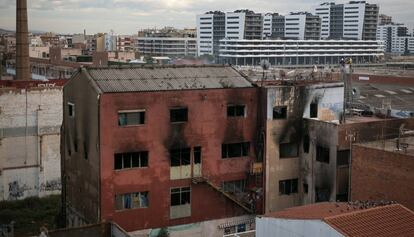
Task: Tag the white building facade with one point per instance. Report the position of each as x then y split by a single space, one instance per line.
396 39
166 46
299 52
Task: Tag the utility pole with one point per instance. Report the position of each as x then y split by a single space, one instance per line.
350 136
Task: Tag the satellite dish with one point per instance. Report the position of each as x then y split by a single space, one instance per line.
265 64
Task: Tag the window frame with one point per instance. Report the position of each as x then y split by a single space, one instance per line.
179 108
181 152
71 108
292 191
242 148
282 107
132 207
323 150
131 160
131 111
181 196
288 144
235 107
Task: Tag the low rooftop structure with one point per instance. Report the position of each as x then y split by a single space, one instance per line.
339 219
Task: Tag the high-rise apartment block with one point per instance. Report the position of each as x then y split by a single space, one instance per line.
248 25
354 20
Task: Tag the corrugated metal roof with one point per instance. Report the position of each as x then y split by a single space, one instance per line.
167 78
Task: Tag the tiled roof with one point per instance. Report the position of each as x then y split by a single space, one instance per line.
134 79
385 221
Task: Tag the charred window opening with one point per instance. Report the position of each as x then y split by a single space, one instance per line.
305 188
71 109
178 115
306 143
322 194
236 110
322 154
288 150
180 157
288 186
235 150
280 112
131 200
197 155
314 110
85 151
342 158
130 160
131 118
235 187
180 196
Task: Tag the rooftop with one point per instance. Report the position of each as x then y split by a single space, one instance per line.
406 145
165 78
357 218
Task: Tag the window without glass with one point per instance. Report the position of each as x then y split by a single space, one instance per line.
322 154
305 188
237 186
180 156
314 110
236 110
178 115
71 110
288 150
342 158
235 150
131 160
131 200
287 187
197 155
131 118
280 112
306 143
180 196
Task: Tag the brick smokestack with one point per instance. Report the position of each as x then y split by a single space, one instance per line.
22 42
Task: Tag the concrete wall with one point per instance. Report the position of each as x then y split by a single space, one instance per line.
208 126
298 98
382 175
30 122
268 226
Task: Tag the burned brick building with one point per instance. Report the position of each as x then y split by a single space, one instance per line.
150 147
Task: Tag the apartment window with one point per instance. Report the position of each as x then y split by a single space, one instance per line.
314 110
131 200
306 143
322 154
288 186
131 160
305 188
236 186
180 196
197 155
179 157
236 110
71 109
178 115
280 112
288 150
232 150
131 117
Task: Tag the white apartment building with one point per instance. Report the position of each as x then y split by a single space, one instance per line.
395 38
205 34
267 25
166 46
295 26
235 23
299 52
354 20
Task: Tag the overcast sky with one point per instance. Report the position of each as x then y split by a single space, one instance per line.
128 16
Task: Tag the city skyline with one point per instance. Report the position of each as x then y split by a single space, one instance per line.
128 16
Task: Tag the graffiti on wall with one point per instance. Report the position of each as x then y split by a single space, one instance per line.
53 185
16 190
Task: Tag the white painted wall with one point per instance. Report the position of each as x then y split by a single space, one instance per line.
268 226
295 26
204 39
354 12
235 23
30 123
267 25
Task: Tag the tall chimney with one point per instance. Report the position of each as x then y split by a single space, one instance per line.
22 42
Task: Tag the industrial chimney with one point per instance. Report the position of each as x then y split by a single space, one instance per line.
22 42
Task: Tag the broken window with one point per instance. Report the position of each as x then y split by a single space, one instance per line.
306 143
131 160
280 112
288 150
197 155
180 196
322 154
71 109
180 157
131 118
131 200
235 150
236 186
314 110
305 187
288 186
342 158
236 110
178 115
